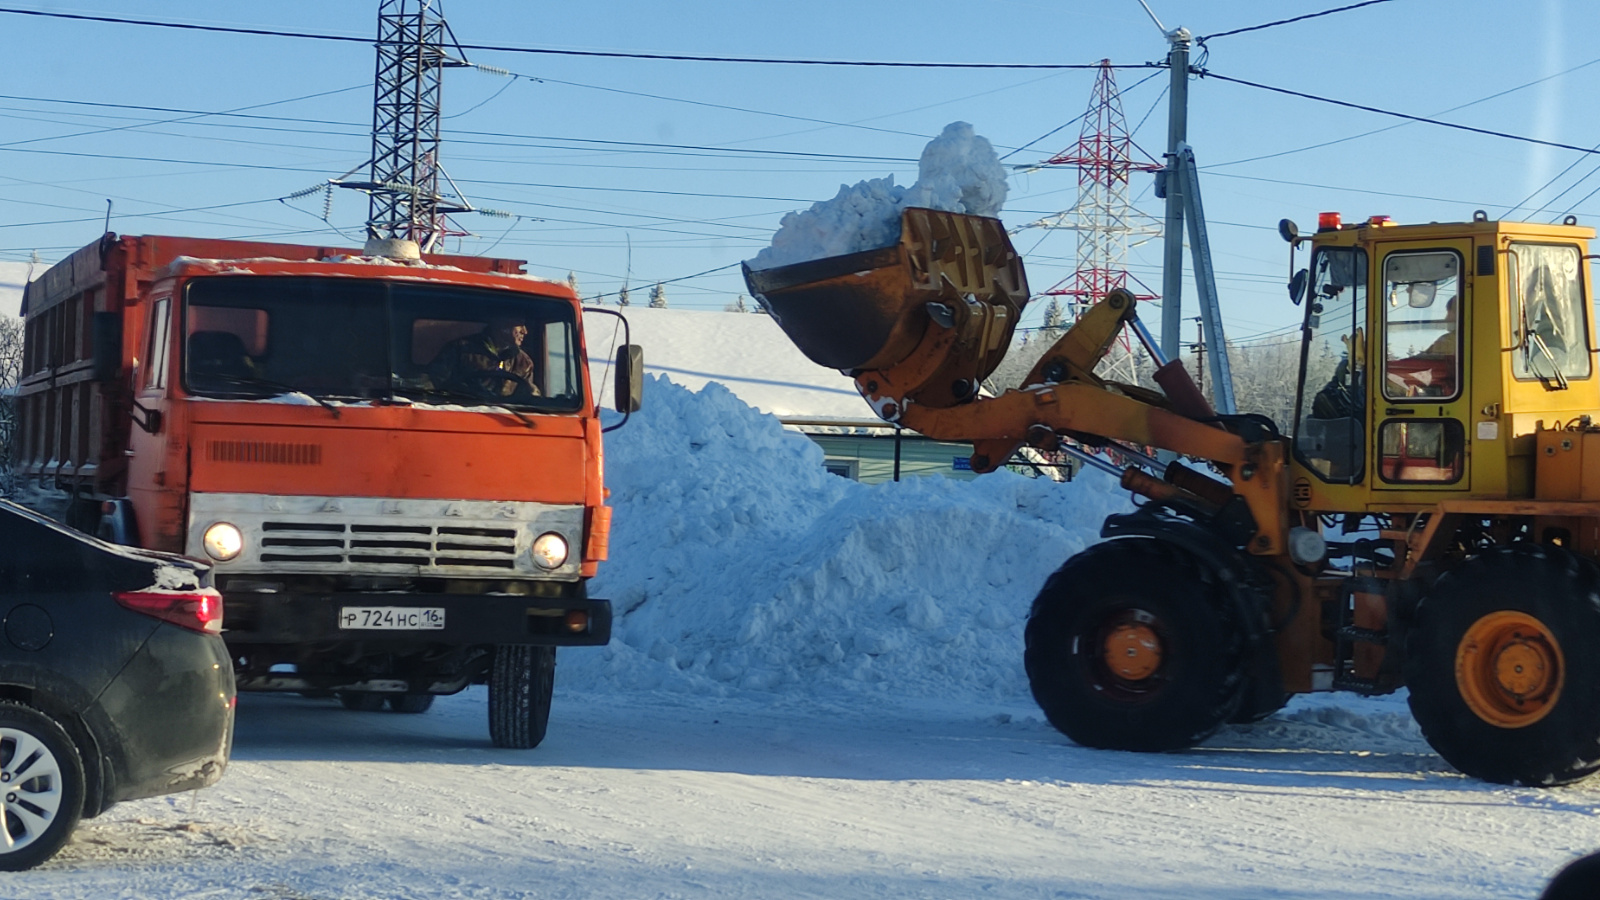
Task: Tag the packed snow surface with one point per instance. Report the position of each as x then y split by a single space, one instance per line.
958 172
815 691
750 568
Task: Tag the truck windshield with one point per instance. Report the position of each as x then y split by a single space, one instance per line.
353 339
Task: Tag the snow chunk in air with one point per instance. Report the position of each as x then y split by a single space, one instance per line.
959 172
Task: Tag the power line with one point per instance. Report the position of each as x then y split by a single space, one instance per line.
1326 12
606 54
1399 115
1353 137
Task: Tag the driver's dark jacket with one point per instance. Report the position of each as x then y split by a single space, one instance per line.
458 360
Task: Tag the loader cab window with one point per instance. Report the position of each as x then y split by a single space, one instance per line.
1330 438
1422 326
1546 303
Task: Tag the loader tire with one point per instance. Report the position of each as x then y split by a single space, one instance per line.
521 680
1130 646
1503 664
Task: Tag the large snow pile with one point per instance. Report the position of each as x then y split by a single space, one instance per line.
739 565
958 172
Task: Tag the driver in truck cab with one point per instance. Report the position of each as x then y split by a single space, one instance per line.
490 363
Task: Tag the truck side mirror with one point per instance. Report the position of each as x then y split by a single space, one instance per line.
107 346
1288 230
629 375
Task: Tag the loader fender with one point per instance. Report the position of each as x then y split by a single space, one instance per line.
1246 588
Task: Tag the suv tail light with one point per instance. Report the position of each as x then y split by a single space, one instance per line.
199 610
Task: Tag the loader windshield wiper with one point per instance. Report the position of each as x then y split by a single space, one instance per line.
1560 378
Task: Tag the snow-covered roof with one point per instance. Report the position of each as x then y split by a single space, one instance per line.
745 352
13 277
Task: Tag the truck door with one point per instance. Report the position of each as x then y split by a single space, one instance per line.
1420 389
148 465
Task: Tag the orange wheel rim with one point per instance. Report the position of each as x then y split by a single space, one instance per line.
1132 651
1509 669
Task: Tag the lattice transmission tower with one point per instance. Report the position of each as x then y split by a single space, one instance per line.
407 92
1103 217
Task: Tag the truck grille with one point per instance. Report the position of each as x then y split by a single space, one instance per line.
287 534
397 544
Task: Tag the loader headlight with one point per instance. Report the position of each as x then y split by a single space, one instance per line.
223 541
549 550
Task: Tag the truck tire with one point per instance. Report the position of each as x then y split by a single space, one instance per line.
361 701
521 679
43 806
1130 647
411 703
1503 664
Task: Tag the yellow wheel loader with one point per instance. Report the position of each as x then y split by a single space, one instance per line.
1430 519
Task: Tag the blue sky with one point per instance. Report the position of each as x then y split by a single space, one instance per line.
644 170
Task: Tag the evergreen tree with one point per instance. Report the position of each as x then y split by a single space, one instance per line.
737 306
622 296
572 282
658 297
1054 318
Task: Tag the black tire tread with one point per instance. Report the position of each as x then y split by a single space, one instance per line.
361 701
1563 591
1108 566
521 680
48 731
410 704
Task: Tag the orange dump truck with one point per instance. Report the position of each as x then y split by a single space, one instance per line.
393 464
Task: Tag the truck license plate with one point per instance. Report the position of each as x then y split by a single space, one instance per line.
392 618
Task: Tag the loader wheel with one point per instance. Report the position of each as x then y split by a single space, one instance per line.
1130 647
1257 704
1504 666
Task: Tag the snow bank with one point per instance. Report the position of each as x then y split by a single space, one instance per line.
739 565
958 172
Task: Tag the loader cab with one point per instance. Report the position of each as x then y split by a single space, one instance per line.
1431 356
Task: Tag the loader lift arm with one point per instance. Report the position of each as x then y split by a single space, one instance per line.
920 324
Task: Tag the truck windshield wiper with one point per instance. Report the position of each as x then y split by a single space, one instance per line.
463 396
276 388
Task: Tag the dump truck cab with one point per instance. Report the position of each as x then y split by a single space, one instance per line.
1434 357
394 466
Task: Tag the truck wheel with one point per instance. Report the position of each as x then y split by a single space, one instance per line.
1504 666
1129 647
361 701
43 780
410 703
521 679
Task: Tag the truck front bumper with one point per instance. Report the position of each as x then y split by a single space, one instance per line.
467 619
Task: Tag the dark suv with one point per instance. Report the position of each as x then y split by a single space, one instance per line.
114 680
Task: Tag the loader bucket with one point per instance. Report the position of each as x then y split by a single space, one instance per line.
843 312
870 310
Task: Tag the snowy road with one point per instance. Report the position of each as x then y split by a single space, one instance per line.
672 796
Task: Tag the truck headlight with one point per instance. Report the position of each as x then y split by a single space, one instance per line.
223 541
549 550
